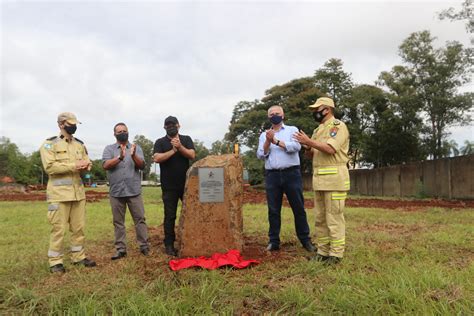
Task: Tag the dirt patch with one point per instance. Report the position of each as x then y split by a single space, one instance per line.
392 228
91 196
451 294
258 197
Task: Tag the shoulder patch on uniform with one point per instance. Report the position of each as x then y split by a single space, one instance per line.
52 138
47 145
336 122
80 141
333 131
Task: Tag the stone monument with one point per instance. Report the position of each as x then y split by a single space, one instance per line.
211 218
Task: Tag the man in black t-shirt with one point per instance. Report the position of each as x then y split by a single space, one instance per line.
173 153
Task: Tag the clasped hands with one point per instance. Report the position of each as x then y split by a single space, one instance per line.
270 136
176 143
123 151
83 165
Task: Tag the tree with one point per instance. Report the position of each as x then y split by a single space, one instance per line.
254 167
466 13
97 171
24 169
333 80
468 148
450 148
221 147
250 118
436 75
147 147
200 149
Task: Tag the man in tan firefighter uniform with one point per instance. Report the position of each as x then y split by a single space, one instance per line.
328 147
64 158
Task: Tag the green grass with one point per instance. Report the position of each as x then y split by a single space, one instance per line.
396 262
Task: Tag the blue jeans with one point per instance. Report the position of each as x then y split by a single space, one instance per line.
289 182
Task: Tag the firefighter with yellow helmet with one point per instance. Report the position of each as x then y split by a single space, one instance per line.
64 158
328 146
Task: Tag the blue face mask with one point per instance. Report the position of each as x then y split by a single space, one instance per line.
276 119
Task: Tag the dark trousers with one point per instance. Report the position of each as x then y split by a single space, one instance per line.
290 183
170 202
137 210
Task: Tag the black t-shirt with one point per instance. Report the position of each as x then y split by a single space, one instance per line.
173 170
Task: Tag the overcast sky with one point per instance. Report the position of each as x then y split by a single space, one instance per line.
138 62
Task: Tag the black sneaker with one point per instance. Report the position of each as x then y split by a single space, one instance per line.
319 258
85 263
333 260
309 247
119 255
57 268
145 251
171 251
272 247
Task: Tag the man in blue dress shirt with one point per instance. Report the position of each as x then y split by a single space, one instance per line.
283 175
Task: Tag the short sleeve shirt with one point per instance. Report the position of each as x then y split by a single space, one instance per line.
330 171
124 178
173 171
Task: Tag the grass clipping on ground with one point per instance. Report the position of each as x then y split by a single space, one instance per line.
396 261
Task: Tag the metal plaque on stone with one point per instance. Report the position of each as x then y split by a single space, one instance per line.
211 185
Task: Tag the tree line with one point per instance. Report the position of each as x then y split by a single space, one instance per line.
27 168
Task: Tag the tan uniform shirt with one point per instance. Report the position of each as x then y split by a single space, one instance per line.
59 158
330 172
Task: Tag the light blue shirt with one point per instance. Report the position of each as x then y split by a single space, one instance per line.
278 157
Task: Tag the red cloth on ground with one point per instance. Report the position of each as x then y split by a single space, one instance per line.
231 258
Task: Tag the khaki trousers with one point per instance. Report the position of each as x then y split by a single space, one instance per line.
61 216
330 223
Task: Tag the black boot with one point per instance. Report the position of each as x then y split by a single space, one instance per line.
57 268
171 251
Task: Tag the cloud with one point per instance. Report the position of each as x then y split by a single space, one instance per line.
140 62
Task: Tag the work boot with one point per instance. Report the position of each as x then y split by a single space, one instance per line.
119 255
309 247
85 263
171 251
272 247
319 258
333 260
145 251
57 268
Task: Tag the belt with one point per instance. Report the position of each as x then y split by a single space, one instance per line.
283 170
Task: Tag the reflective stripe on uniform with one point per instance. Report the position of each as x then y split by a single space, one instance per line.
327 171
76 248
338 196
53 207
347 184
323 240
339 242
53 254
62 182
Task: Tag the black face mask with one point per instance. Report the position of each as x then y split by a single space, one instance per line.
171 131
122 137
276 119
319 116
71 129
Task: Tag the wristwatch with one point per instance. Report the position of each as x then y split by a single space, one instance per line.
277 143
120 158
